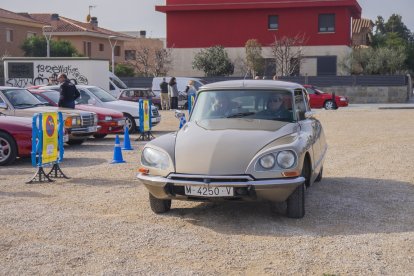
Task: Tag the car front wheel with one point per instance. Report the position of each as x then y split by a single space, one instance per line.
130 123
159 206
75 142
8 149
329 105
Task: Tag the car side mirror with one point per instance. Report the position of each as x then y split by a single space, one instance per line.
179 114
3 106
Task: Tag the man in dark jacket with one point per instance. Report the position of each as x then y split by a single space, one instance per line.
68 92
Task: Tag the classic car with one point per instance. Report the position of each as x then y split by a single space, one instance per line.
15 138
110 121
20 102
244 153
136 94
101 98
320 99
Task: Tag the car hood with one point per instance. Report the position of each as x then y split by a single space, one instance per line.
224 147
16 123
100 110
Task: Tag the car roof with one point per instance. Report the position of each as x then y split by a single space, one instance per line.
11 87
252 84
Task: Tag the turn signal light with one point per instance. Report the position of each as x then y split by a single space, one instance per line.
143 170
68 122
290 174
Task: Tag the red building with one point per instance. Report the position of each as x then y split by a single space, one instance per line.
326 24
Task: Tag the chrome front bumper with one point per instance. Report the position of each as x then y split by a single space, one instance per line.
278 189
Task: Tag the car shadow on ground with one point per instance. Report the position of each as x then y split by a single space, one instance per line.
334 206
102 182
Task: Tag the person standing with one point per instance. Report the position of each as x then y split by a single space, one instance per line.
173 93
165 101
68 92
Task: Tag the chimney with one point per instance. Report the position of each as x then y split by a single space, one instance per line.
54 17
142 34
94 22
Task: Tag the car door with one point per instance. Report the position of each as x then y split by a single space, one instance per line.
310 127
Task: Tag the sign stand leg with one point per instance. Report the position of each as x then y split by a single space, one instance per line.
40 173
56 172
145 136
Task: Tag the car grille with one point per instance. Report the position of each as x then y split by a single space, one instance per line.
210 178
155 112
88 120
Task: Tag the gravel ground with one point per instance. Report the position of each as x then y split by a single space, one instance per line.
360 217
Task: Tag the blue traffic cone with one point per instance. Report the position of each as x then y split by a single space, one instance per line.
127 142
117 152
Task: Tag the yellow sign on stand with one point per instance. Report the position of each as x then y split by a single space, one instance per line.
50 137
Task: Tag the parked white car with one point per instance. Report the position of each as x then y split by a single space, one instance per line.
98 97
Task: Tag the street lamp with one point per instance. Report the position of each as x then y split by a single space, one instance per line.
113 49
47 32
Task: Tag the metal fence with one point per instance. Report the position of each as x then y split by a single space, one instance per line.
324 81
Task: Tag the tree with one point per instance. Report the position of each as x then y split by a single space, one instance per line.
288 53
124 70
213 61
254 59
162 62
36 46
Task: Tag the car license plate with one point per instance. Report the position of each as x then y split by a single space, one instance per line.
92 129
208 191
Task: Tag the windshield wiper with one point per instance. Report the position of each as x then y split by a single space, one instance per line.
240 115
22 105
38 104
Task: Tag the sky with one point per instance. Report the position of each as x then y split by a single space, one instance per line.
137 15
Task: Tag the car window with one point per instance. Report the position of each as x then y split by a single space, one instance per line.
102 94
310 90
252 104
301 104
21 98
84 97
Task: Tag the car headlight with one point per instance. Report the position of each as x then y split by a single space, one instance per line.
108 118
76 121
342 99
154 158
267 161
95 117
286 159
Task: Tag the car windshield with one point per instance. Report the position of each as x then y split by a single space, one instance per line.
102 94
52 95
118 82
21 98
251 104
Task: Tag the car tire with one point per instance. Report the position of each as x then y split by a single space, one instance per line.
75 142
8 149
100 135
329 105
296 201
130 123
319 177
159 206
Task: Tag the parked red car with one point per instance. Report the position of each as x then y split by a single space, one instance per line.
110 121
320 99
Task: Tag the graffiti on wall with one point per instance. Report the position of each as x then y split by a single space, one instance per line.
26 74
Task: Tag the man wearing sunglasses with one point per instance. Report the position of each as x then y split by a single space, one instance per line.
276 108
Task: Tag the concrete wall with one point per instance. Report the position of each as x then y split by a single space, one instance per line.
371 94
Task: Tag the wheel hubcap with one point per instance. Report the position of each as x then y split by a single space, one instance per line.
128 123
329 105
4 149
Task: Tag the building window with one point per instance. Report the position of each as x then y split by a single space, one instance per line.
273 22
87 49
327 23
326 66
101 47
130 55
117 51
30 34
9 35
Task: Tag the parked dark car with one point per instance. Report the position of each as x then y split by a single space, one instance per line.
136 94
320 99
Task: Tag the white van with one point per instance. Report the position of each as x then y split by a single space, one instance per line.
182 83
116 85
